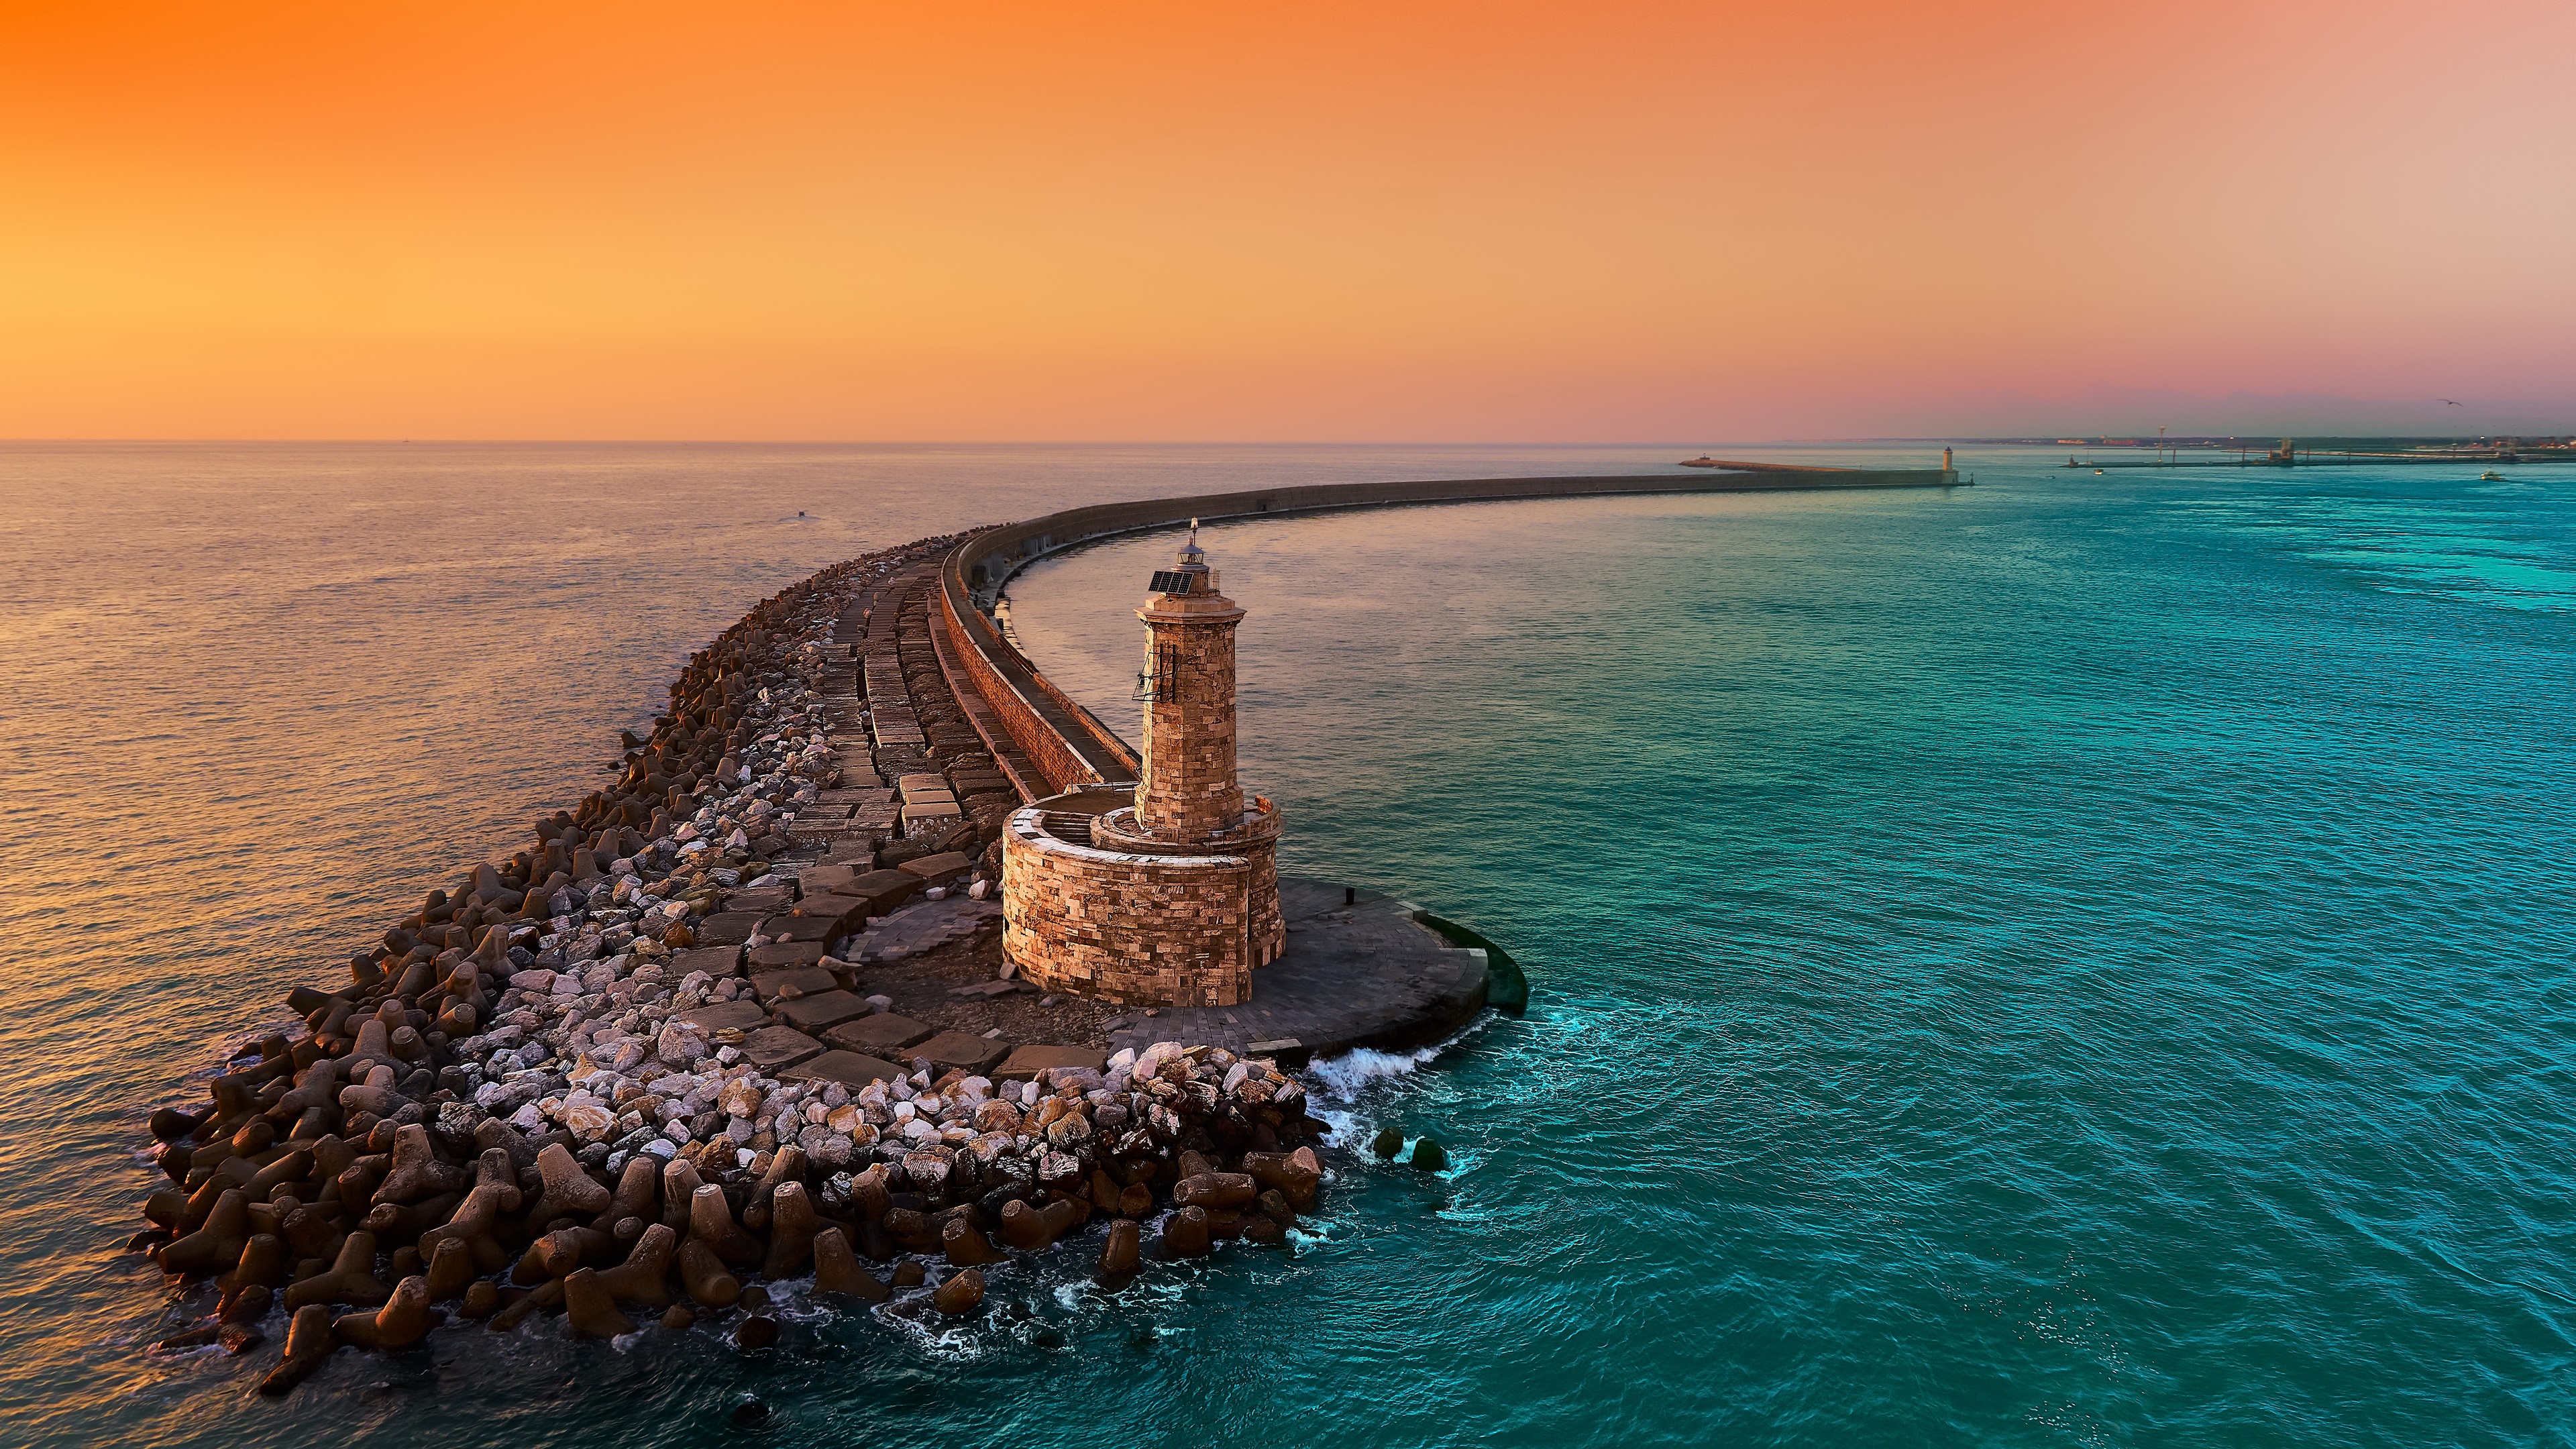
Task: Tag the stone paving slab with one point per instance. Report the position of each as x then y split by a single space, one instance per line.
989 989
718 1016
938 869
808 980
728 928
823 880
713 960
850 1069
820 1012
962 1051
774 1047
758 900
1024 1063
850 912
822 930
883 1034
1358 975
883 890
920 927
786 955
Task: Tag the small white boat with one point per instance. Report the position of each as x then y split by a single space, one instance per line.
2490 476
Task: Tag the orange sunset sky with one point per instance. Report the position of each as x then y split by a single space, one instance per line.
1331 221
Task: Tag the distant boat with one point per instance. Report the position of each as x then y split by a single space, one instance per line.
1702 461
2097 472
2490 476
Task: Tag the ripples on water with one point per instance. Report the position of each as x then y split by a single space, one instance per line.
2078 960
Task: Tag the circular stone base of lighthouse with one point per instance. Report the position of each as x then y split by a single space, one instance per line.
1125 922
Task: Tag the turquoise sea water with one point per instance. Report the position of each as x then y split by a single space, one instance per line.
2078 960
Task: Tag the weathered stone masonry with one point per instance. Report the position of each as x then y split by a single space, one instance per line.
1119 927
1173 900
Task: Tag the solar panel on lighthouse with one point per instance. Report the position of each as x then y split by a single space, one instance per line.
1170 581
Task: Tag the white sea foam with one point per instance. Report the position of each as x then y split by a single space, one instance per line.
1344 1077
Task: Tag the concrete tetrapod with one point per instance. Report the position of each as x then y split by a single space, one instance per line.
240 1331
219 1241
561 1251
633 1203
404 1223
1033 1230
451 1270
308 1343
711 1223
1215 1190
417 1173
351 1278
965 1245
792 1225
591 1308
263 1262
568 1189
704 1275
645 1276
472 1224
680 1182
961 1294
1122 1257
1296 1174
405 1319
785 1166
837 1270
548 1294
1185 1234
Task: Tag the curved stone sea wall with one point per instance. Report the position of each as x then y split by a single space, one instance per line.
1066 747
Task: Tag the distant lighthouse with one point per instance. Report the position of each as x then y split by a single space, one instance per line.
1948 473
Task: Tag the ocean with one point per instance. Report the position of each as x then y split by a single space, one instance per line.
2077 960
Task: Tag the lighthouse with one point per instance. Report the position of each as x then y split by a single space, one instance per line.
1173 899
1188 793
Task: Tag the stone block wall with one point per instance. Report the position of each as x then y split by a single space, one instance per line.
1058 767
1255 838
1140 930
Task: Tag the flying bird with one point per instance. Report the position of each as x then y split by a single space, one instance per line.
2446 400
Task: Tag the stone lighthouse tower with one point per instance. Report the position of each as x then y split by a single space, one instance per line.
1176 899
1189 791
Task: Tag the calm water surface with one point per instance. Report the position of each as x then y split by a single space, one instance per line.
2071 961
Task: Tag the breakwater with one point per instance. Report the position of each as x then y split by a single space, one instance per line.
587 1080
577 1081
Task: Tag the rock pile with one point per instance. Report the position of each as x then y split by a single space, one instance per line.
552 1090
